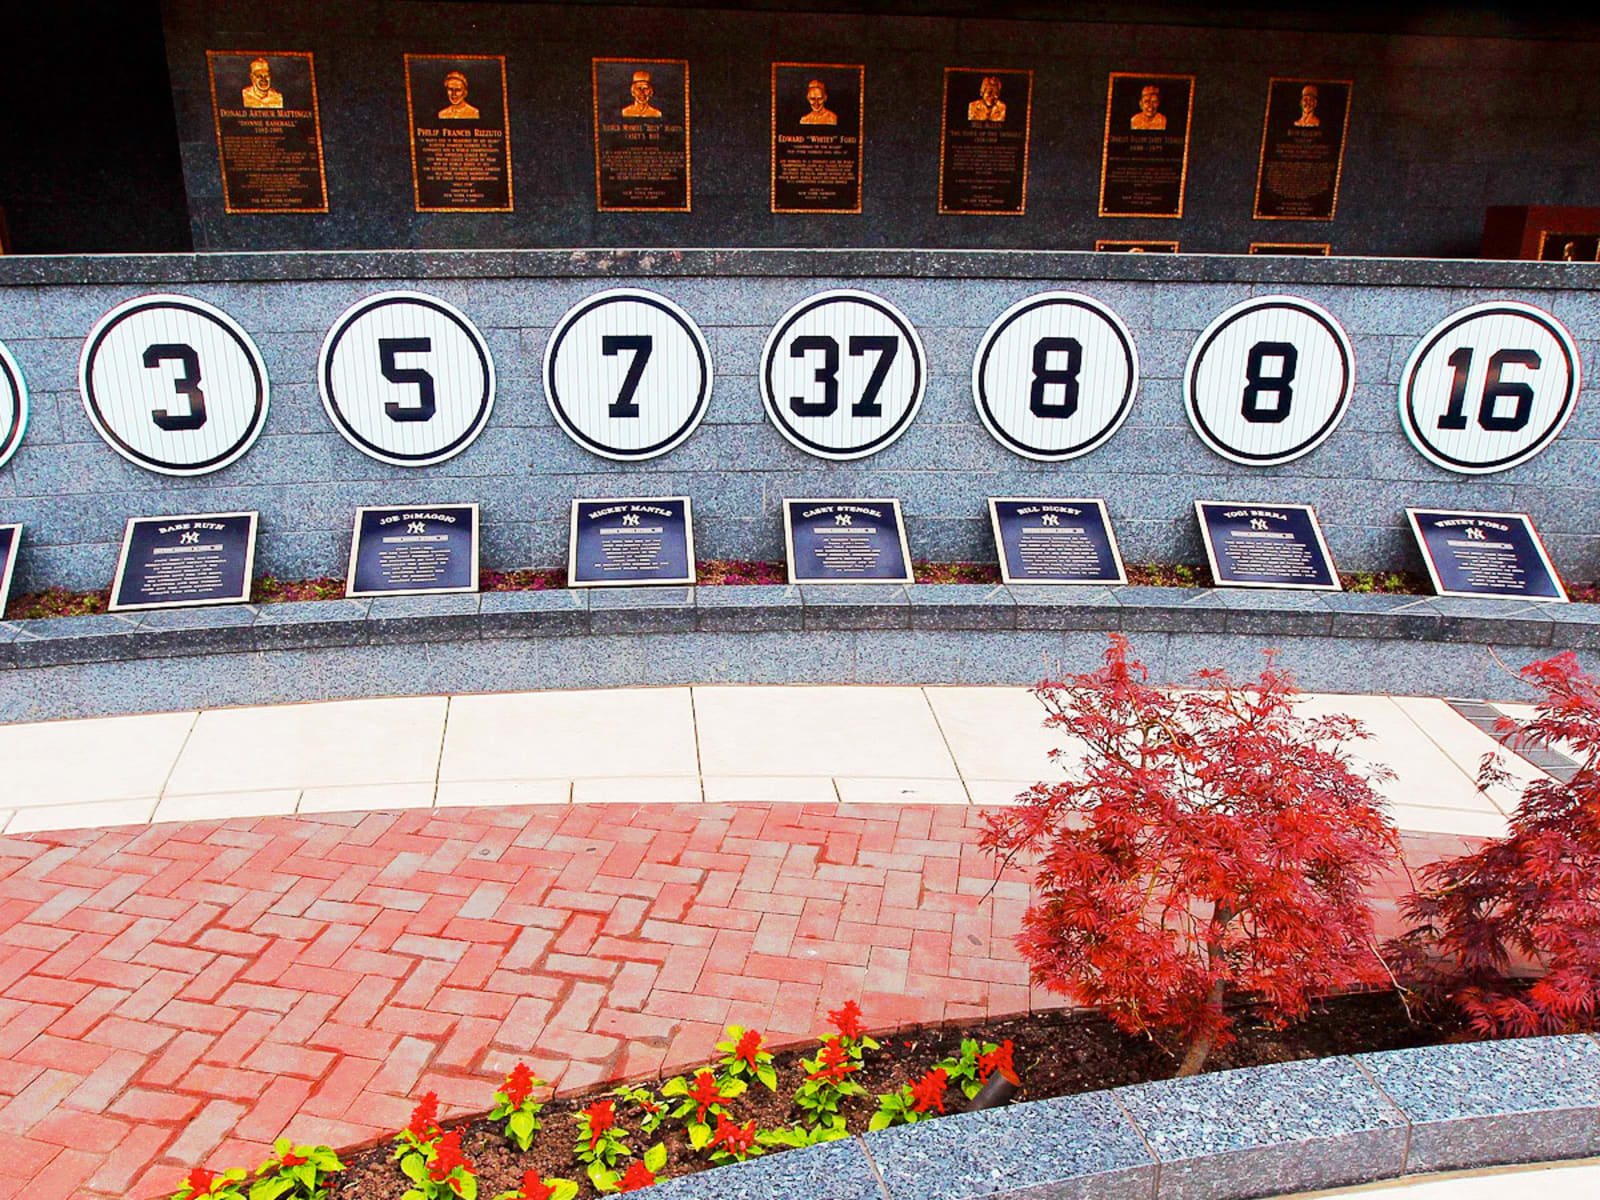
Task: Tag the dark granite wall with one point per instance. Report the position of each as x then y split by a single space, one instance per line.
1440 128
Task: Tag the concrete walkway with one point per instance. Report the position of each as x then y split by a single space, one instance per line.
1547 1181
811 745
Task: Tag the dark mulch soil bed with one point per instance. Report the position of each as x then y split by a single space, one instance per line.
1057 1054
60 602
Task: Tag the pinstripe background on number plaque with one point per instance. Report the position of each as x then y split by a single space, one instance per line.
123 396
356 393
841 315
1003 376
582 382
1320 384
1485 329
13 405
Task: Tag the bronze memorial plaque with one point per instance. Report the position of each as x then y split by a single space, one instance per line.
816 137
1121 246
983 147
641 134
1311 248
1302 149
269 135
1145 161
460 142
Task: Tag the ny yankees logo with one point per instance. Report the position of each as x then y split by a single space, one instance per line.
1257 523
417 527
189 539
1050 519
630 518
841 518
1477 535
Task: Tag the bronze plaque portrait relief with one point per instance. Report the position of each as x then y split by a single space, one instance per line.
1302 149
460 137
269 132
1145 161
641 134
816 137
983 144
1568 247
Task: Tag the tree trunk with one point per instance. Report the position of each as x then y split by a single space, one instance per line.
1195 1057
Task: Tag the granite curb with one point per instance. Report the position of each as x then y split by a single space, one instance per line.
1230 1135
1047 265
979 608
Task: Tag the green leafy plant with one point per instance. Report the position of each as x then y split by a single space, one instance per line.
800 1136
601 1143
705 1097
201 1184
916 1101
826 1085
534 1188
645 1104
514 1104
295 1172
744 1058
445 1173
641 1173
977 1061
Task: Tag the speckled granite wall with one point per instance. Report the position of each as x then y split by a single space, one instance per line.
73 493
1440 127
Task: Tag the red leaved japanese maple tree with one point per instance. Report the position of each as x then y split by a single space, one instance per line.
1534 893
1204 842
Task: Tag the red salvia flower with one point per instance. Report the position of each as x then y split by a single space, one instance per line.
834 1063
847 1020
519 1084
998 1060
200 1181
425 1118
749 1046
447 1157
928 1092
291 1159
602 1116
735 1138
533 1188
637 1176
705 1094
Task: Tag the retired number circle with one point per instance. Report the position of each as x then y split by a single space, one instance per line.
1269 380
1489 387
173 384
406 379
13 406
627 374
1055 376
842 374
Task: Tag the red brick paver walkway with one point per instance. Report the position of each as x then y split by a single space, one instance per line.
182 994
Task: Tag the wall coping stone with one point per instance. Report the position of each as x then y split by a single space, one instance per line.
597 264
243 628
1228 1135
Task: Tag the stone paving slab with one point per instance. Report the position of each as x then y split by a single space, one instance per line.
184 993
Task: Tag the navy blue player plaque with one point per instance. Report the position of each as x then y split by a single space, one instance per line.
1055 541
1265 545
10 537
1485 554
421 550
618 543
846 541
185 561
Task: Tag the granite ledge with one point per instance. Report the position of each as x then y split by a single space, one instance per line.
1259 614
697 262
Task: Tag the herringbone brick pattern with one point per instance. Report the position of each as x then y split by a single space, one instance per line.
182 994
